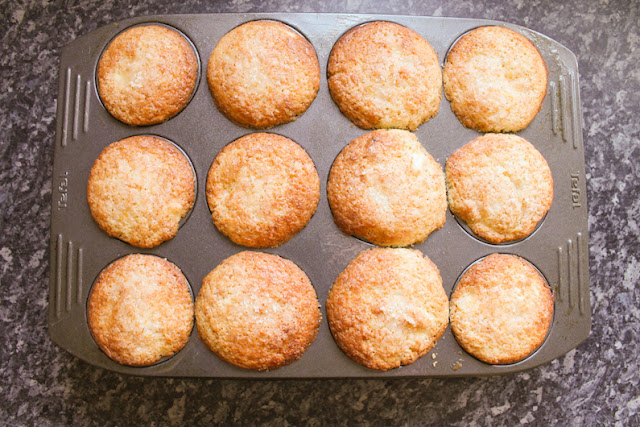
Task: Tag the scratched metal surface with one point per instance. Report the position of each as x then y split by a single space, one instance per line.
79 249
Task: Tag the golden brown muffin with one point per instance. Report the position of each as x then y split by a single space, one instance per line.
495 79
262 74
385 75
500 185
385 188
140 310
262 189
139 190
257 311
147 75
501 309
388 308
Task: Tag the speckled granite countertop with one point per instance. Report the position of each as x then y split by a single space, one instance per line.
597 383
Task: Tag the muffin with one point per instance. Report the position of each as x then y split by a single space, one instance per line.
495 79
139 190
262 74
385 75
262 189
500 185
387 308
140 310
385 188
257 311
501 309
147 75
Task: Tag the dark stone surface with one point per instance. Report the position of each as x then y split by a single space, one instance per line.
598 383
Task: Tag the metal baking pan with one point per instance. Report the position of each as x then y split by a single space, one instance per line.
80 250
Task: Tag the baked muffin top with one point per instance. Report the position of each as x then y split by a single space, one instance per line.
384 187
262 189
388 307
500 185
385 75
257 311
139 190
147 75
140 310
495 79
262 74
501 309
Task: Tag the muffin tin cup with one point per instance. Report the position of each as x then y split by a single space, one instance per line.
80 250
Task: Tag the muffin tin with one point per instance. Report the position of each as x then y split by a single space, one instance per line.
80 250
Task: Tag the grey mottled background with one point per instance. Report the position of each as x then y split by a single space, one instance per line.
596 384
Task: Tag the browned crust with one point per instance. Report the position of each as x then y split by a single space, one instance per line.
140 310
384 187
500 185
147 75
262 189
385 75
501 309
388 308
257 311
139 189
495 79
262 74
